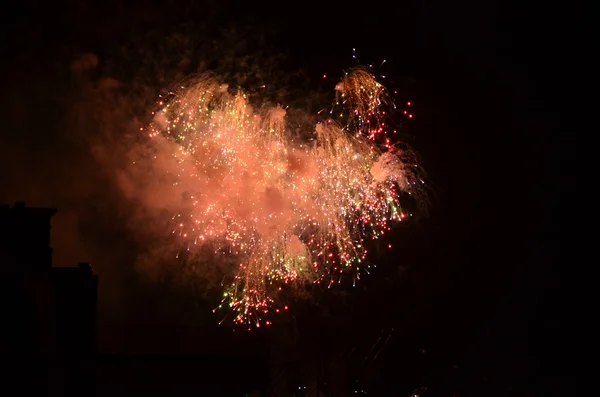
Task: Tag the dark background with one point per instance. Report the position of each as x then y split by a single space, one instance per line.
479 288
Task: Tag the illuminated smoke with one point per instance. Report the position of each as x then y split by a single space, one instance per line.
288 212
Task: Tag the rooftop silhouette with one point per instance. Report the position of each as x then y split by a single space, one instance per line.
48 333
25 238
48 337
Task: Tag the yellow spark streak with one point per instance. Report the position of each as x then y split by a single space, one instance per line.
290 214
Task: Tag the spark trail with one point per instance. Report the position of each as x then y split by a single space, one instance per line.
288 212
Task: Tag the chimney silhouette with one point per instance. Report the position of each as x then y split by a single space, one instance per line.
25 237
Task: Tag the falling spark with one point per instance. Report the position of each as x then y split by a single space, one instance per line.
289 213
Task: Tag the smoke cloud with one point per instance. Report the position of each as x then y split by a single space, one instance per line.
74 142
71 137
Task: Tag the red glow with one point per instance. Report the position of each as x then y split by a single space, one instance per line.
408 103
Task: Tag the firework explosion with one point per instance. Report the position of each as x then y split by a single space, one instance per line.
289 212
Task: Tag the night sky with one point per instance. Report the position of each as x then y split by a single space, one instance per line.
476 283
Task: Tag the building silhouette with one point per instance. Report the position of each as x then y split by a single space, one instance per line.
47 337
48 332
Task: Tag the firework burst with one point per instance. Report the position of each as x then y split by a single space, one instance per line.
288 212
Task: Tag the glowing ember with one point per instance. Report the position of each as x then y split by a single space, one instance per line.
288 212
